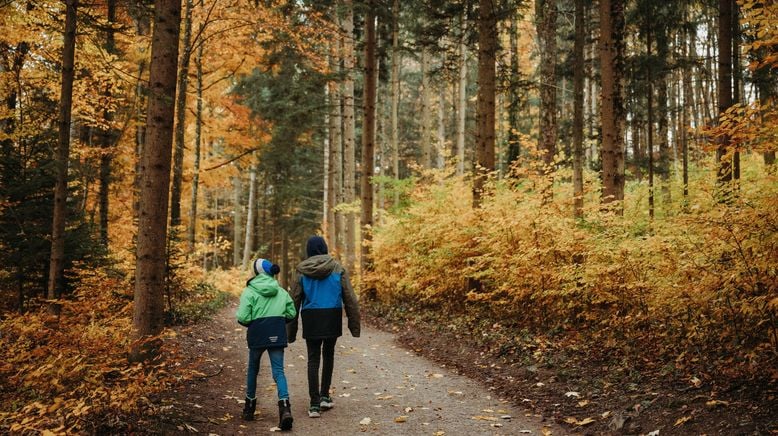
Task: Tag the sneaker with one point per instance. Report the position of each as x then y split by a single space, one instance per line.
313 412
326 403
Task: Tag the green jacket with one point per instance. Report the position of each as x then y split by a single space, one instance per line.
264 308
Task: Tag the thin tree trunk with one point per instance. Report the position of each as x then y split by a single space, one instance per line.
237 221
142 27
248 244
107 135
197 144
737 76
485 116
425 139
545 11
368 138
650 122
178 153
440 149
328 201
612 108
514 104
395 97
349 152
578 79
148 315
663 168
336 143
461 101
57 260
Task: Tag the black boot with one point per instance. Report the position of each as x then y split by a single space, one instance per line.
248 409
285 415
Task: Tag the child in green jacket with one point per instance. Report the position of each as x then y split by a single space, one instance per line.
264 308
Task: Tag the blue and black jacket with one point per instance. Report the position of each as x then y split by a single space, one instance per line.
320 294
265 307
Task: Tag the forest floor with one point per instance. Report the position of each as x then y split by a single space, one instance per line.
379 387
586 392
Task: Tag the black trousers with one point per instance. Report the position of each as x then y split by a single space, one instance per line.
317 347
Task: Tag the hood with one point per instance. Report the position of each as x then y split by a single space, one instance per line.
318 267
264 285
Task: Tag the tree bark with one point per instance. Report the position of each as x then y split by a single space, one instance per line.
723 157
349 151
663 167
425 139
336 143
183 84
485 115
612 107
368 138
545 11
395 97
192 231
514 104
57 260
148 314
578 82
650 121
237 221
461 101
248 244
107 135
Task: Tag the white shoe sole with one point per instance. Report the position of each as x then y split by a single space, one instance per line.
314 415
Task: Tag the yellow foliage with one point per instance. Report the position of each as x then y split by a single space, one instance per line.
702 276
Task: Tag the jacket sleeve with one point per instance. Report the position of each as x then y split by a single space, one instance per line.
244 309
296 295
290 312
351 303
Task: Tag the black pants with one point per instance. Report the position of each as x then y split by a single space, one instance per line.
315 348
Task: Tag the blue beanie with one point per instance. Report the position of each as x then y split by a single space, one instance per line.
316 246
266 266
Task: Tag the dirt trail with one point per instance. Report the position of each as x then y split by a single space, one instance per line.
374 378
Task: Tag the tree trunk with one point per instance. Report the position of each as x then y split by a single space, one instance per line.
349 152
487 49
178 153
57 260
248 244
336 143
612 108
440 149
237 221
142 27
148 315
514 104
395 97
545 11
662 50
327 215
425 139
461 101
650 122
198 142
578 82
723 157
368 138
107 135
737 76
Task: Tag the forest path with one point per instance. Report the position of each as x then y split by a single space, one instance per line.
373 378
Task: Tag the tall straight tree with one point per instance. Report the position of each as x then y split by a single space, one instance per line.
425 139
612 108
545 11
578 83
336 143
485 118
57 261
148 314
368 135
514 104
248 244
349 149
461 98
723 156
107 135
183 84
191 233
395 96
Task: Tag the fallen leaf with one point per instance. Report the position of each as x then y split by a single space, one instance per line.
540 384
484 418
439 433
653 433
716 403
275 429
487 411
682 420
546 431
408 409
190 428
505 417
385 397
586 421
606 414
696 382
437 375
401 419
496 424
572 394
345 395
365 421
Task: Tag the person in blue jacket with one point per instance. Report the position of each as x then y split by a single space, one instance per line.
320 293
265 308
